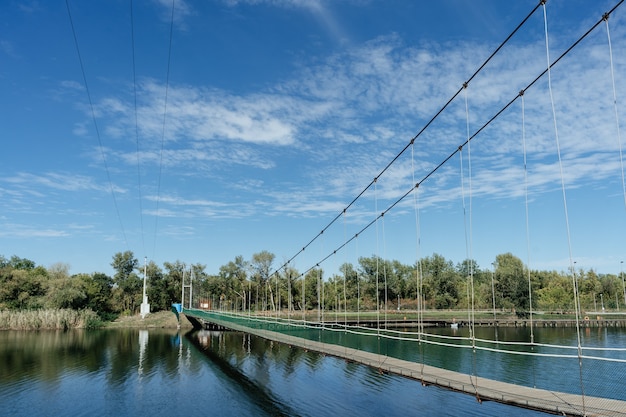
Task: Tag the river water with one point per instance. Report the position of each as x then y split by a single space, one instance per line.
166 373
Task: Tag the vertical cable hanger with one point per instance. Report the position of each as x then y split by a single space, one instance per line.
95 123
615 107
419 307
132 43
530 288
167 84
567 227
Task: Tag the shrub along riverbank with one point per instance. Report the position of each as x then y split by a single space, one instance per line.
65 319
54 319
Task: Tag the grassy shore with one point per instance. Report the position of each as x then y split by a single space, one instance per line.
160 319
65 319
61 319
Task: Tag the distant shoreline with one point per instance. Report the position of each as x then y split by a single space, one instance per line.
66 319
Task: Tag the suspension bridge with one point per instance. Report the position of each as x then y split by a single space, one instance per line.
376 345
290 332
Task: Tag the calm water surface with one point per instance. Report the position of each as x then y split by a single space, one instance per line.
165 373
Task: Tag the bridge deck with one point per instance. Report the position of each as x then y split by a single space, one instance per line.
484 389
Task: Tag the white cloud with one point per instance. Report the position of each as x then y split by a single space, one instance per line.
59 181
349 115
23 231
182 10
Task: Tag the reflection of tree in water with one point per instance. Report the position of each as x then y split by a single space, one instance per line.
47 355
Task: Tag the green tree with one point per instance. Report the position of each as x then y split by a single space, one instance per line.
22 288
289 276
234 274
353 286
589 289
557 295
440 281
158 288
98 287
511 283
21 263
312 290
128 286
173 277
373 272
472 277
612 290
64 291
261 266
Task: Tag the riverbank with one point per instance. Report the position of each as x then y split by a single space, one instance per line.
61 319
65 319
158 320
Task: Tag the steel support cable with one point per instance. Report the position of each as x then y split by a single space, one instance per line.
419 133
431 336
95 123
530 292
320 288
303 299
377 259
566 213
167 85
337 302
358 281
132 42
467 223
530 288
418 277
474 135
467 218
432 339
467 286
384 259
345 273
617 124
418 287
417 230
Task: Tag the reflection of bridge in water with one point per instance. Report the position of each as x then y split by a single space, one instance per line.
327 338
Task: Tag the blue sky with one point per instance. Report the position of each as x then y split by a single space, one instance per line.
280 112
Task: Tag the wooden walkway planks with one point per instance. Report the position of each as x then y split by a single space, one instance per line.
483 389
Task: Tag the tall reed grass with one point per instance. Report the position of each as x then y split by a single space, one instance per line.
60 319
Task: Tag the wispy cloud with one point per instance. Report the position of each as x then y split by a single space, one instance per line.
347 116
23 231
58 181
7 48
182 10
30 6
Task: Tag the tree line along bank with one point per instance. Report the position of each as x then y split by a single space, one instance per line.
250 285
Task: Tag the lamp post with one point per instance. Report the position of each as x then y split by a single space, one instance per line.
145 306
621 263
493 292
602 302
